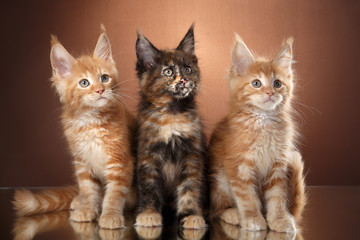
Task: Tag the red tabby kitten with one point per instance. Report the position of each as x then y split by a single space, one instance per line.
98 130
255 166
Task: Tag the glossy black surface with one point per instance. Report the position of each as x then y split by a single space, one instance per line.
332 213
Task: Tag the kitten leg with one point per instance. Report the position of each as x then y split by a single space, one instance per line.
89 189
118 181
150 195
244 186
221 200
276 193
188 194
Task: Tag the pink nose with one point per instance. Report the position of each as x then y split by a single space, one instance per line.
184 81
270 93
100 91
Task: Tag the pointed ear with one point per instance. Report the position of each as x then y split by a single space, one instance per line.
241 56
188 43
284 57
61 60
145 51
103 47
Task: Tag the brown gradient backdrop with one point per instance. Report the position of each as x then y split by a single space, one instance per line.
327 40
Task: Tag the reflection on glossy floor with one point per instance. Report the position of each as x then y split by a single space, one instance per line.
332 213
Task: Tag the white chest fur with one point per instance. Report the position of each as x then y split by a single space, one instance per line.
88 144
269 145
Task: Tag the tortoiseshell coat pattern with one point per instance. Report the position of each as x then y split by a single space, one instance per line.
171 144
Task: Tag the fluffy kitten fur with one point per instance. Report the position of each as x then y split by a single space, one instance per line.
171 143
255 167
98 130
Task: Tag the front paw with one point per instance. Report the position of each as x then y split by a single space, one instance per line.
253 223
112 221
149 218
83 215
193 222
283 224
230 216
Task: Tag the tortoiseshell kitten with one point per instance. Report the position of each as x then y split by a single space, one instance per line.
171 143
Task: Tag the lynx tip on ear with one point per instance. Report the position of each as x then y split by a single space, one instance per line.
53 39
102 28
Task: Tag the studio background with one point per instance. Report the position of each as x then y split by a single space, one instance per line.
326 48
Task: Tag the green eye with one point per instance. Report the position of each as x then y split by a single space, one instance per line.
104 78
188 70
256 83
277 84
168 72
84 83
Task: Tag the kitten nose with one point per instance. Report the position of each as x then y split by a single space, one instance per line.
100 91
183 80
271 93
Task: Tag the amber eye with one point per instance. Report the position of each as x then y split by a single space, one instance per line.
188 70
168 72
104 78
277 84
256 83
84 83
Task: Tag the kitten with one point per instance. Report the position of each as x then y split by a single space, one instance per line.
98 130
253 156
171 143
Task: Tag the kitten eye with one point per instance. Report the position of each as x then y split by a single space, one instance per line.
84 83
188 70
168 72
277 84
104 78
256 83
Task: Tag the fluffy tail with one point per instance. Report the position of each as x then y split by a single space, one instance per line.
28 203
298 198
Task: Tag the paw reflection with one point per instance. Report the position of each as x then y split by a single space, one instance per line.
192 234
85 230
91 230
148 232
223 230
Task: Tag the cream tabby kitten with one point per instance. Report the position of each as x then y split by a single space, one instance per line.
255 167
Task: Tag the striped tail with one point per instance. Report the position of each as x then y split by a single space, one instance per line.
298 198
28 203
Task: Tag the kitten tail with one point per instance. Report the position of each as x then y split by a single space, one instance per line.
28 203
298 198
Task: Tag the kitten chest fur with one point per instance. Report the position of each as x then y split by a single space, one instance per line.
269 135
88 140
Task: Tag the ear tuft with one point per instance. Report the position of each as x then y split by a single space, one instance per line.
53 39
241 56
102 28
